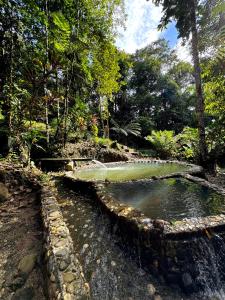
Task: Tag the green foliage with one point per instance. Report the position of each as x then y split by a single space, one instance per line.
1 115
103 141
45 178
106 69
187 144
31 137
132 128
35 126
94 130
164 142
62 31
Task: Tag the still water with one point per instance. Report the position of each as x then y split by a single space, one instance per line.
130 171
169 199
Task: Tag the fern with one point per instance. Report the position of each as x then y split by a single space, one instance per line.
164 142
133 128
62 31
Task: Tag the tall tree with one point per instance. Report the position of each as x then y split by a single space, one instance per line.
185 13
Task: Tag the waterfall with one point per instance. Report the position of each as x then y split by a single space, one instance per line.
210 266
99 163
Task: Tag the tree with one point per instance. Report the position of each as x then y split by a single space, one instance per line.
155 94
55 56
185 13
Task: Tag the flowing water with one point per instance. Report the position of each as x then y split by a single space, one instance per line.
130 171
109 267
210 266
99 164
115 272
169 199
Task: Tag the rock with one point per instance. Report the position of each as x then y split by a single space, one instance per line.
68 277
17 283
70 288
4 192
113 264
27 264
52 278
68 297
69 166
24 294
63 265
159 224
187 280
85 246
157 297
151 289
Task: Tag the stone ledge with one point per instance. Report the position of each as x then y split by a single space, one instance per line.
65 276
194 170
167 249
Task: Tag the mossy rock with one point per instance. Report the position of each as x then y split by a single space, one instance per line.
27 264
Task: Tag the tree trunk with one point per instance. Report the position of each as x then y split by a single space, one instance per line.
45 75
200 107
10 94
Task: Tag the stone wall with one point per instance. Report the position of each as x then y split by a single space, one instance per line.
65 277
168 249
63 272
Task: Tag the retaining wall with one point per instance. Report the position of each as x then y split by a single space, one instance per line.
167 249
65 277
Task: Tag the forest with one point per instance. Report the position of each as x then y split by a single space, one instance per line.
112 159
63 79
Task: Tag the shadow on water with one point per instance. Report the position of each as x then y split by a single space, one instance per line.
114 271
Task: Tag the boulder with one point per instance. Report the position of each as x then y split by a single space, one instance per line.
151 289
70 166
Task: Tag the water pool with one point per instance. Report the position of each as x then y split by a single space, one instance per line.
169 199
130 171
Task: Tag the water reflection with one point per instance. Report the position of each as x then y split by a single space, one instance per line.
174 198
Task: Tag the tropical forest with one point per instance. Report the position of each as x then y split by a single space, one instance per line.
112 149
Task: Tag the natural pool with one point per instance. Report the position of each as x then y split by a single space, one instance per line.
130 171
169 199
189 254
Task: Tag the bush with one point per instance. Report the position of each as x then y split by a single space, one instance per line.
103 141
182 146
187 142
164 142
94 130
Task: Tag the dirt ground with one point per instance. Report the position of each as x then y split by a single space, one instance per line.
21 267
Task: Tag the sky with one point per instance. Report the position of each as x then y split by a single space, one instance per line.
141 29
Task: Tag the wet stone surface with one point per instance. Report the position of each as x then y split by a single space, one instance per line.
109 268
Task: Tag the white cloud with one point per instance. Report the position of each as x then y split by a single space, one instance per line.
141 26
183 52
